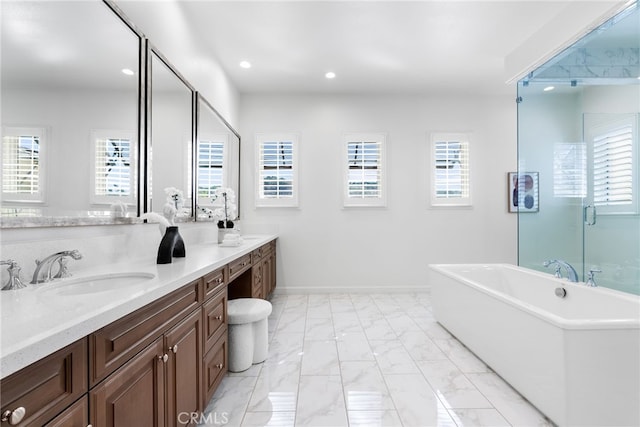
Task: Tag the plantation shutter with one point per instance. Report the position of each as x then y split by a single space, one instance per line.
613 167
210 167
365 171
276 169
21 164
450 170
113 167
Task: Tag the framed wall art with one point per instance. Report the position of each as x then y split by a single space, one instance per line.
523 191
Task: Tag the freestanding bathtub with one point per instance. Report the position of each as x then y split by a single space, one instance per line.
577 358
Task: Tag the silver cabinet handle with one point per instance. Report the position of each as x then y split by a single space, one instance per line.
15 416
164 358
218 317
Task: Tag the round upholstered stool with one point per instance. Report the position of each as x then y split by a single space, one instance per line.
248 332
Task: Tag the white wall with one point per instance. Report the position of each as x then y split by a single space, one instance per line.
324 246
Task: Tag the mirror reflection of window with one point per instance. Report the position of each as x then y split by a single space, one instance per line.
569 170
211 167
113 157
23 164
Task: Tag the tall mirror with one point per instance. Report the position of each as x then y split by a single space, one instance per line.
170 156
70 113
217 161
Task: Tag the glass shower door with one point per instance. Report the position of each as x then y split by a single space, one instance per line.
611 221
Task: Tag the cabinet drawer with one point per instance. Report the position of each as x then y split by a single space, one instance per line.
215 281
77 415
256 255
48 386
215 318
111 346
215 366
239 266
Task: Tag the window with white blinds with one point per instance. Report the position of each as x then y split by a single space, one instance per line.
211 161
23 164
614 182
365 170
450 170
277 170
113 161
569 170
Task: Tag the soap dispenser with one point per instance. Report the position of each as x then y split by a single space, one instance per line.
171 246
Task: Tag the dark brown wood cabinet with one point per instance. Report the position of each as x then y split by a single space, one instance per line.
134 394
44 389
268 263
76 415
146 368
113 345
183 344
215 366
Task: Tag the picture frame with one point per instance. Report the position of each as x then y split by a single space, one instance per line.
523 192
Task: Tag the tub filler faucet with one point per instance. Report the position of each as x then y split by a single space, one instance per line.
571 272
47 264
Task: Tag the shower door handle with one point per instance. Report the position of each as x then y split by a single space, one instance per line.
589 215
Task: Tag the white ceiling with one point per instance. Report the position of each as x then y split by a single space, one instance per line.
402 47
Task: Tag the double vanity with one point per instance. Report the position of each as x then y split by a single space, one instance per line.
127 344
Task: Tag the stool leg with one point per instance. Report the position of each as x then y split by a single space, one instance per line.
240 347
260 340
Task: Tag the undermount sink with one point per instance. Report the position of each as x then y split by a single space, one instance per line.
98 283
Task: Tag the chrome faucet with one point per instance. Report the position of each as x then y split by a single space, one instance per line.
14 276
571 272
47 263
591 281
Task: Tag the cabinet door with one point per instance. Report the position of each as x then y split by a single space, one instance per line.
42 390
134 394
77 415
256 280
215 366
183 344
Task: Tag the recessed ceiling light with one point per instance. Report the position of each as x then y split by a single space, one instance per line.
330 75
128 72
245 64
548 88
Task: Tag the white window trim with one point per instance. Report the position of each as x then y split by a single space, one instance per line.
107 200
369 202
221 138
634 207
284 202
40 196
452 202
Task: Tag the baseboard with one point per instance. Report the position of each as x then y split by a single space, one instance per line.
306 290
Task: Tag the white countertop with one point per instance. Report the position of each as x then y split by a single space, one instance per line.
36 322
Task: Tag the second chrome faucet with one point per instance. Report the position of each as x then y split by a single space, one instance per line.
44 270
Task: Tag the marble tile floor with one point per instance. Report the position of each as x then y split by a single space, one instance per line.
365 360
